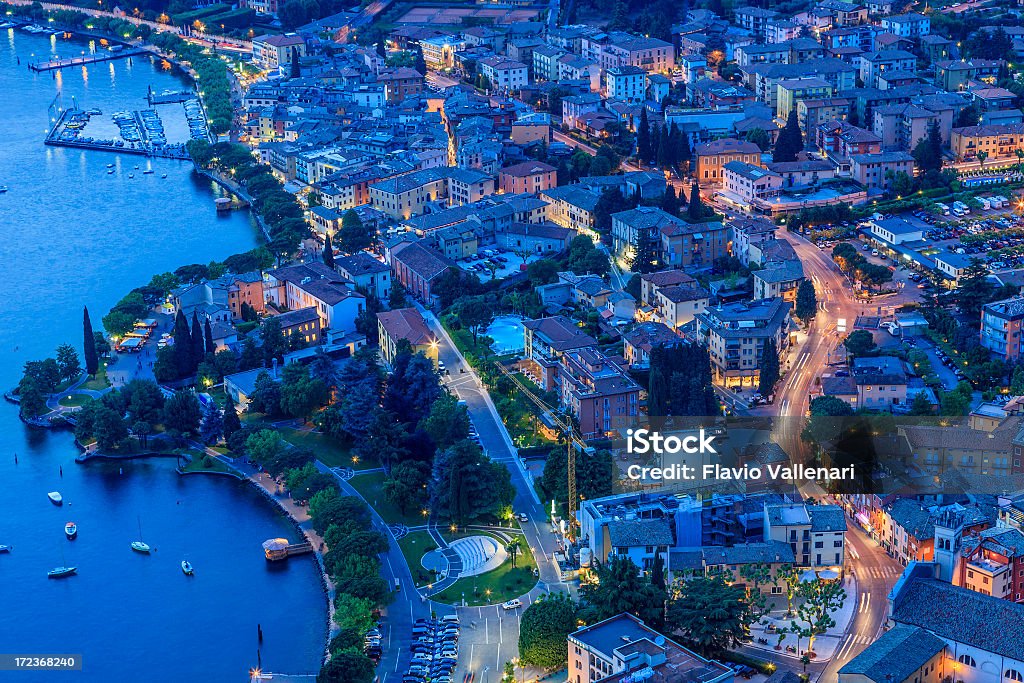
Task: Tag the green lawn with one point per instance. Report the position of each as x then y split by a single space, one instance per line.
371 488
328 450
199 462
497 585
99 382
75 400
414 546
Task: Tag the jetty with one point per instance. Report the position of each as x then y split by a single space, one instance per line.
280 549
85 59
169 97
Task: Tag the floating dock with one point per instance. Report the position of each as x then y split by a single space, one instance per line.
84 60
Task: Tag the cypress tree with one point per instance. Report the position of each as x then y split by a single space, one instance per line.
208 334
695 211
670 202
769 368
92 359
790 142
328 252
198 343
294 72
182 345
671 145
682 152
643 137
662 153
231 422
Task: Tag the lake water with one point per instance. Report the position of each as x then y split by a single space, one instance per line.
74 235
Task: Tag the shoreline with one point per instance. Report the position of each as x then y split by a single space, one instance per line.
187 73
325 583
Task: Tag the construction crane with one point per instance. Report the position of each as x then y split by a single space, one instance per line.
574 442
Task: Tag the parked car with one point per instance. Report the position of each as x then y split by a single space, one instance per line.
512 604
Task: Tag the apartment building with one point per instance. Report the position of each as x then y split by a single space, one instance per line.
735 335
874 65
417 267
315 285
711 158
273 52
911 25
408 195
744 183
625 83
366 273
546 341
815 533
598 392
1001 327
999 142
619 649
505 75
529 177
405 324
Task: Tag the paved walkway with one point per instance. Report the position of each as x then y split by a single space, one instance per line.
825 645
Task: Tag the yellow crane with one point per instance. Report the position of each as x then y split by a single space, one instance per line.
574 442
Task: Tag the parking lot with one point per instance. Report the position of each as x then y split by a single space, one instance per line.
435 650
997 240
500 260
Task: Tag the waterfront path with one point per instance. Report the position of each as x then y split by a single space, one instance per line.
206 40
408 604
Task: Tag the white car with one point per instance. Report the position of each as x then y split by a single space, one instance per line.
512 604
523 518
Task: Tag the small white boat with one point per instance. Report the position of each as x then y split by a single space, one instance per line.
186 567
3 188
55 497
131 175
164 176
110 166
148 171
110 171
70 530
61 572
140 546
5 548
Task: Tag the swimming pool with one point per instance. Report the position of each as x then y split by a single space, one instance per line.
508 334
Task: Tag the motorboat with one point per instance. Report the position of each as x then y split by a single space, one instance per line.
61 572
5 548
70 530
3 188
55 497
186 567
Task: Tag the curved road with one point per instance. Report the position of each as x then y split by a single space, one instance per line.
874 570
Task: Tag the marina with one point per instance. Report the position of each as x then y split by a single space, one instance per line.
138 132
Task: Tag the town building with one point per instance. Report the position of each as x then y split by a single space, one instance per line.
529 177
408 325
815 533
598 392
417 267
273 52
619 649
735 335
315 285
366 273
999 142
1001 327
546 340
711 158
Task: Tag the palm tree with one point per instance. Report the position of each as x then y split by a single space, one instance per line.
513 549
1020 157
981 158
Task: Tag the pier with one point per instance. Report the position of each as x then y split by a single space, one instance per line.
281 549
86 59
177 97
